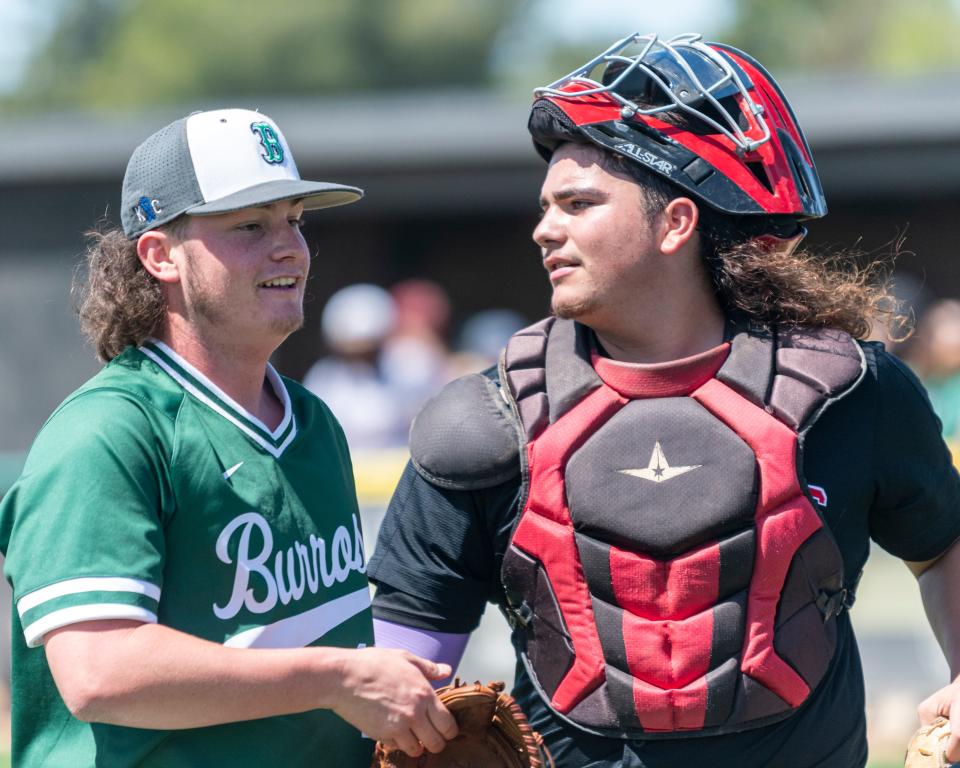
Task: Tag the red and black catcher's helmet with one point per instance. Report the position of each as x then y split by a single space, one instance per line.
730 139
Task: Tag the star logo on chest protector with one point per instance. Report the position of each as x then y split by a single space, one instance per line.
659 469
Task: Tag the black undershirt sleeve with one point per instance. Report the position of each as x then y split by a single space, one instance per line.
438 553
916 512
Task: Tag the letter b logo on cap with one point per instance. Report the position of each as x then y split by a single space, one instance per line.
272 148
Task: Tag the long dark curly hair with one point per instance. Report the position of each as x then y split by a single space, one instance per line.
846 290
841 289
118 301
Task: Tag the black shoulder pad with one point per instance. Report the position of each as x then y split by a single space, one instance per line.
466 438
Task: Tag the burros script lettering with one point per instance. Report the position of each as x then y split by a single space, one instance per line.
299 568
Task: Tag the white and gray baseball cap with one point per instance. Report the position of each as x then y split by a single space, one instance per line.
216 162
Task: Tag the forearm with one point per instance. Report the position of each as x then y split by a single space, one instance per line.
940 590
152 676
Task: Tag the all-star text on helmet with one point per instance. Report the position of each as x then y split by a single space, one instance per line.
705 116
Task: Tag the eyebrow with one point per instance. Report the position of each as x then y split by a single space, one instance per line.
567 192
268 207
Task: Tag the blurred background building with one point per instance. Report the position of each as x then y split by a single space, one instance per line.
423 103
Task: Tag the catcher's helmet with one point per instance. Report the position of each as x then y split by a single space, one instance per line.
705 116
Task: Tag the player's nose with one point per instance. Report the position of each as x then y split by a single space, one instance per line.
289 243
549 230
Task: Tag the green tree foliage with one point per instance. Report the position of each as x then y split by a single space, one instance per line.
130 53
878 36
108 54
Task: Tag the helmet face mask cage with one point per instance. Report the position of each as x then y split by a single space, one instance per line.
671 80
705 116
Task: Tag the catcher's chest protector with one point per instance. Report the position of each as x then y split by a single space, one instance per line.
669 574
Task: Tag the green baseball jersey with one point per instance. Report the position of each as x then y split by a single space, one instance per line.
149 494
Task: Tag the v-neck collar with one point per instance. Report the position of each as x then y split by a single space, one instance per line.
208 393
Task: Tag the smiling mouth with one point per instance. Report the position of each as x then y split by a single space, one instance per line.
280 283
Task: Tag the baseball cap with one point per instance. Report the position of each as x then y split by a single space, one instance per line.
215 162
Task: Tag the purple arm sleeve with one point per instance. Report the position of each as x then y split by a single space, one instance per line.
444 647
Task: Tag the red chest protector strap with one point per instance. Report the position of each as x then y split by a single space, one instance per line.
669 572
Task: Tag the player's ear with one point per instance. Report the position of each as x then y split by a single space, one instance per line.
154 251
678 224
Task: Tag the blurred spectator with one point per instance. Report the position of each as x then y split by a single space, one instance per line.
415 357
388 355
481 338
423 309
355 323
934 354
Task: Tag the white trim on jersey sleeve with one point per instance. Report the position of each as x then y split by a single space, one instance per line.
34 633
304 628
86 584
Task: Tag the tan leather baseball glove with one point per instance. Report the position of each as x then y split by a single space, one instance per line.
494 733
925 749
